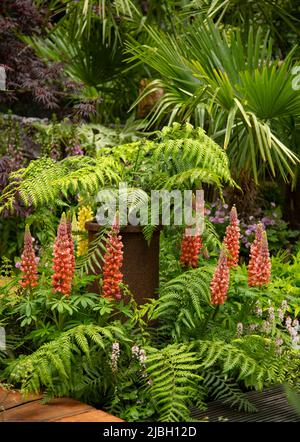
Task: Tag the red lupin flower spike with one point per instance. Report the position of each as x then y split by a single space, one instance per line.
28 262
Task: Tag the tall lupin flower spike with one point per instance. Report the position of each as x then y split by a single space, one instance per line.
28 262
63 258
259 268
232 239
190 249
113 260
266 268
220 283
85 214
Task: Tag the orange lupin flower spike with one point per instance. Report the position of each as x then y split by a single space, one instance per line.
266 268
71 242
232 239
220 283
63 258
113 260
28 262
190 249
259 267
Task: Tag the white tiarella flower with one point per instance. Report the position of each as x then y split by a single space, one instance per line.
278 341
271 314
239 329
288 321
266 327
135 350
115 355
142 356
280 314
253 327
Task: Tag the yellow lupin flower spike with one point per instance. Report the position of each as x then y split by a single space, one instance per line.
85 214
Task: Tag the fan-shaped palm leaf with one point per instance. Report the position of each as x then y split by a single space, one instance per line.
238 91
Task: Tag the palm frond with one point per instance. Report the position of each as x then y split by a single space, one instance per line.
239 91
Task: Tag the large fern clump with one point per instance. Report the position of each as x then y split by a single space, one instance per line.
45 182
191 156
185 374
180 157
60 367
183 302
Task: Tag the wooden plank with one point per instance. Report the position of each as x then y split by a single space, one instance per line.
17 409
37 412
10 399
91 416
272 406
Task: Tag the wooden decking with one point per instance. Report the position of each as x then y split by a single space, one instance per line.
271 404
14 408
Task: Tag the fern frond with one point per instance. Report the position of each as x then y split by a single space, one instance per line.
45 182
226 390
250 359
172 372
53 363
210 236
182 300
94 257
192 150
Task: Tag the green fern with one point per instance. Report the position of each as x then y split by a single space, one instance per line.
182 301
179 157
190 156
210 236
91 379
173 381
182 157
226 390
52 365
46 182
94 257
274 368
250 359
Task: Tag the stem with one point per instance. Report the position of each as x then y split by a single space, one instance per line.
55 320
209 317
140 321
60 320
215 312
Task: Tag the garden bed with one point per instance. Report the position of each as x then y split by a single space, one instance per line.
149 228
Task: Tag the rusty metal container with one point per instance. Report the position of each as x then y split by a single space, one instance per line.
140 261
